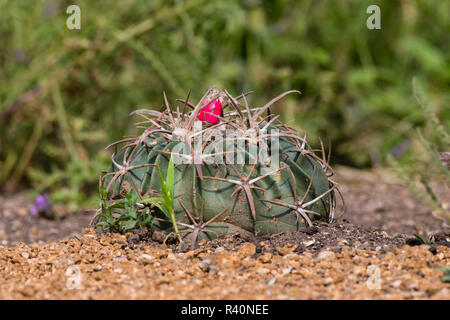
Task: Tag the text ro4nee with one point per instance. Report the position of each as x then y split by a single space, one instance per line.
239 309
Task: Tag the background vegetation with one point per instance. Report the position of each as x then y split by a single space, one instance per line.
66 94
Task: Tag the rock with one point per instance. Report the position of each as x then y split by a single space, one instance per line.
133 238
286 270
98 268
120 258
325 254
147 257
287 249
65 261
194 253
265 258
205 265
247 250
158 236
396 284
262 270
22 212
183 247
289 256
171 256
308 243
311 230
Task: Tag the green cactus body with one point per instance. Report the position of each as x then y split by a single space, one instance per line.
213 199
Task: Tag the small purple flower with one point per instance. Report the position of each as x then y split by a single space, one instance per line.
51 9
41 205
400 149
20 55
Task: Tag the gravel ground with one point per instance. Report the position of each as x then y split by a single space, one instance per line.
369 252
106 267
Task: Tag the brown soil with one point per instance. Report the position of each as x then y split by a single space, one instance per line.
376 199
17 225
325 261
379 212
105 267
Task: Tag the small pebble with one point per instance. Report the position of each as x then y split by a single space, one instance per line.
325 255
286 270
118 259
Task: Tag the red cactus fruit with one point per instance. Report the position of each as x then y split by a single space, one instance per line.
211 109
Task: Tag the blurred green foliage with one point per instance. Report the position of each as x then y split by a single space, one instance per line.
423 167
65 94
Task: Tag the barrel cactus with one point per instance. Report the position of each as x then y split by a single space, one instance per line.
237 169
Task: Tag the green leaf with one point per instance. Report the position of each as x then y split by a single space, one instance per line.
164 189
159 203
102 215
103 192
103 224
134 198
419 238
170 177
147 219
116 205
129 225
124 217
165 211
423 241
107 216
160 176
166 205
150 200
133 214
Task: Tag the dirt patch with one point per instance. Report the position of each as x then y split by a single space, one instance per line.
367 253
380 215
106 267
321 236
17 224
376 199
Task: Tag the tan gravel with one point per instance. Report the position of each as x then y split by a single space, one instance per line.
106 268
